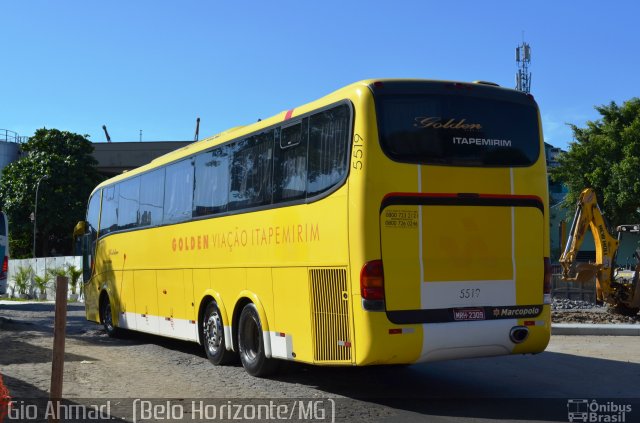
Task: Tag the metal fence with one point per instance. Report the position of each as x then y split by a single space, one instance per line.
7 135
573 290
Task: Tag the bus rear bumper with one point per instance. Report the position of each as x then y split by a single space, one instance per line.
449 341
417 343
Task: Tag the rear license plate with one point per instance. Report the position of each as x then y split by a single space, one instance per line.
468 314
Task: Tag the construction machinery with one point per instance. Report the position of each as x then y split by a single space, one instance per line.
615 285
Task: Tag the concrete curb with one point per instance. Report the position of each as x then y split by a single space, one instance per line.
595 329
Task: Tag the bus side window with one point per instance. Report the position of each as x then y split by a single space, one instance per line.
178 192
109 215
251 172
328 146
290 162
211 191
129 204
151 198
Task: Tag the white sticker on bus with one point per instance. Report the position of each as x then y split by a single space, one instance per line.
446 294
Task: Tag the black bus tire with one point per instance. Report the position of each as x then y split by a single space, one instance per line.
212 332
251 344
106 317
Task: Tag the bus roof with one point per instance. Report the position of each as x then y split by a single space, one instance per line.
239 131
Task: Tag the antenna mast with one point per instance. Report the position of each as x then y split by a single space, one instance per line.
523 59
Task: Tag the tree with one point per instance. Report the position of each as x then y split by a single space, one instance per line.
62 198
606 157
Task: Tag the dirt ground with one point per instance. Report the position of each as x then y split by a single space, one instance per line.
146 366
26 339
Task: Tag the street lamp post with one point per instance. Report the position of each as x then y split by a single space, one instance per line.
35 213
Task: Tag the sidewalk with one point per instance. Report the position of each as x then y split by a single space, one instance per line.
595 329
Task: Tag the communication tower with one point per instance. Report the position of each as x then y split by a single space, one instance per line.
523 59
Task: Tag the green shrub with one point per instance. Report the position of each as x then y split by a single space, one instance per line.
22 280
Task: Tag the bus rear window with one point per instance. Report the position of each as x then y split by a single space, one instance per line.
458 130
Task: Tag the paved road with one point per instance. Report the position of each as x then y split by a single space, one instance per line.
514 388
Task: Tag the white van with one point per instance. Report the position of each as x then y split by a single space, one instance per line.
4 251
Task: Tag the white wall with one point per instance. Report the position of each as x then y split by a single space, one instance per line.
39 266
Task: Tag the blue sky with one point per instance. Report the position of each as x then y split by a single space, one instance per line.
157 65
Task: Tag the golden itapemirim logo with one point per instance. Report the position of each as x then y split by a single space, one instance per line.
440 123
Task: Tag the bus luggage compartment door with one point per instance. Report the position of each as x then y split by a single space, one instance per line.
457 259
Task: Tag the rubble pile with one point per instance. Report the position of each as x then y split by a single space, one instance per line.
567 304
564 310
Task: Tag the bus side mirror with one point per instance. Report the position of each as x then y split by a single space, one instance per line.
80 229
78 237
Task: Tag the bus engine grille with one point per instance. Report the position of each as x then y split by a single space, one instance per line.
330 315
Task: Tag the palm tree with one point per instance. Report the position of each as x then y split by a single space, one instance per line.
42 282
22 280
74 277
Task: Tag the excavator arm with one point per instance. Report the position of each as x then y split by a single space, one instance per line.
588 215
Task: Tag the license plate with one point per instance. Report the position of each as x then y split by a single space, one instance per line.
468 314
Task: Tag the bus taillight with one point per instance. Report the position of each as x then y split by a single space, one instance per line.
546 287
5 265
372 281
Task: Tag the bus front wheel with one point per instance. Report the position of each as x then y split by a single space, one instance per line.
106 316
251 344
213 336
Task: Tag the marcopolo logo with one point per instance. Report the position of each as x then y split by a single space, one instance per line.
516 311
582 410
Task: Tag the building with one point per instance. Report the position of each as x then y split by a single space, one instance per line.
557 190
116 157
113 157
9 147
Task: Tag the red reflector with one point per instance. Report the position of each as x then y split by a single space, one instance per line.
529 323
372 281
5 265
546 287
394 331
282 335
288 115
347 344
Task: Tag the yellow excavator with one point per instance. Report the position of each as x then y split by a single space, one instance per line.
615 286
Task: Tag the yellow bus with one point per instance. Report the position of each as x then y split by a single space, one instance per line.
392 221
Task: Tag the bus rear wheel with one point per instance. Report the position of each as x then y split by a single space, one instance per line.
251 344
213 337
106 317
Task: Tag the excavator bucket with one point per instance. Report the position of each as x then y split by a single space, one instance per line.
584 272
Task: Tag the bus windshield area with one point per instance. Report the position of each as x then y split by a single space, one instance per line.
458 130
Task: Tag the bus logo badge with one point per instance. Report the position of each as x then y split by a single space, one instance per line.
584 411
577 410
438 122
